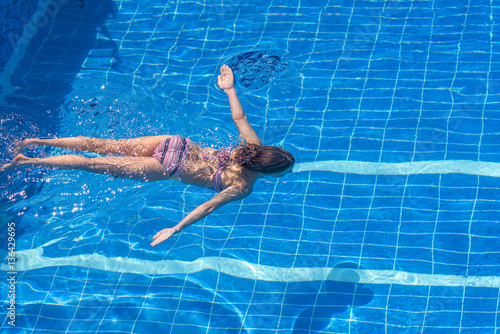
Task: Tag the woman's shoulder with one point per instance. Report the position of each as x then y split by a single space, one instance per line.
242 176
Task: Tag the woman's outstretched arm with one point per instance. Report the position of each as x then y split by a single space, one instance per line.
226 82
229 194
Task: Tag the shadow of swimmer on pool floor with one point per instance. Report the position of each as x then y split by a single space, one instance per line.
336 294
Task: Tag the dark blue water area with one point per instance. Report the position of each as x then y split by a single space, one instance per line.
57 50
14 14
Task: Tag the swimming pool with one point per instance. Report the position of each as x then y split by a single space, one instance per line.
388 224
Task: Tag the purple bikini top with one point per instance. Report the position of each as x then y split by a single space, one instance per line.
223 157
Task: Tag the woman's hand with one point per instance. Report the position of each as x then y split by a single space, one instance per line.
226 78
163 235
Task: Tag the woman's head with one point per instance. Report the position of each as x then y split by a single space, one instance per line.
264 159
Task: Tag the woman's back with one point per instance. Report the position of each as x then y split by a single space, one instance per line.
215 169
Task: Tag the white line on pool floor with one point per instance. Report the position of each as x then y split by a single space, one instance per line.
403 168
34 259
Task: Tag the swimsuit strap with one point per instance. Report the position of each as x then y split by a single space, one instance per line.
217 181
222 156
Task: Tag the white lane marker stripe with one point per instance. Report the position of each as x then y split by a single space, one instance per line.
34 259
403 168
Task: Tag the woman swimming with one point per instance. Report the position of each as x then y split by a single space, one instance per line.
232 173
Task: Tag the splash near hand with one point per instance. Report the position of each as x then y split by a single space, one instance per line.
226 78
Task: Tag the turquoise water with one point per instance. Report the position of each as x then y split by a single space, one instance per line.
387 225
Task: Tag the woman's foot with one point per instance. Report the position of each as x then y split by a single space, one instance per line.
19 145
18 161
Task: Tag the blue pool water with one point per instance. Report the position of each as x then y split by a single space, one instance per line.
389 223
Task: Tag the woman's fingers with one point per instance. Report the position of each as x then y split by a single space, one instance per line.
162 236
225 70
159 240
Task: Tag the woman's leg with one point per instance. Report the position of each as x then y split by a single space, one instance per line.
138 168
136 147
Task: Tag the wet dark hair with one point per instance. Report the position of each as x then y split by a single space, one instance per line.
264 159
